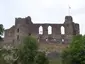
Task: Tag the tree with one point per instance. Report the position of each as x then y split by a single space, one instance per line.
2 61
40 58
29 54
25 53
75 53
7 55
1 31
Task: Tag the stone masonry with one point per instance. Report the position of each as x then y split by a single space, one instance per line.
25 27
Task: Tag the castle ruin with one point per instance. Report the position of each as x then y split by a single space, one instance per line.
25 27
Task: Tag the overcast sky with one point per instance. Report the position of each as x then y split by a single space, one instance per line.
42 11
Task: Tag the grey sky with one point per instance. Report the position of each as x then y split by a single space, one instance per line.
42 11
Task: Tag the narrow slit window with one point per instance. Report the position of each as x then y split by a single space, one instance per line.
17 37
18 30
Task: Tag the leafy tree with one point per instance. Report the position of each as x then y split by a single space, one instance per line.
40 58
26 53
75 53
2 61
7 55
1 31
29 54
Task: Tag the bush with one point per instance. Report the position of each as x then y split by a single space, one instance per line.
29 54
26 53
75 53
40 58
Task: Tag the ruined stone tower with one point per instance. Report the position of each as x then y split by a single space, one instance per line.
25 27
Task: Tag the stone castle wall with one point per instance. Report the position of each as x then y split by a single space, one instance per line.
25 27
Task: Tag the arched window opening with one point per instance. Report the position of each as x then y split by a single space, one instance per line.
62 30
40 30
49 30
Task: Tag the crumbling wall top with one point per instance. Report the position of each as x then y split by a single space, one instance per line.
26 20
68 19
